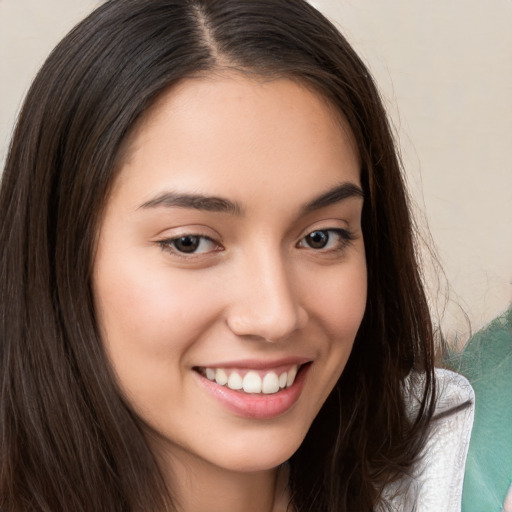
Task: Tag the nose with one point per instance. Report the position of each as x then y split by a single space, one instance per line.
265 304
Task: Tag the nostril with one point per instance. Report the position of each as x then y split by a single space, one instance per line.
270 328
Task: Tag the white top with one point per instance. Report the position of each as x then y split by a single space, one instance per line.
436 483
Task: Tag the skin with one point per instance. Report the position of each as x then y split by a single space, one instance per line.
255 288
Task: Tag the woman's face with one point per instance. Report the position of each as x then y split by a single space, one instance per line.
231 258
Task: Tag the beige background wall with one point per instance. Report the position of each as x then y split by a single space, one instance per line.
445 72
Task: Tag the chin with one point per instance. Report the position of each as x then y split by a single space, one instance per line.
262 453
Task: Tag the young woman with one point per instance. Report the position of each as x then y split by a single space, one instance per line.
210 297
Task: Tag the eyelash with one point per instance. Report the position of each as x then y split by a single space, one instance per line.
344 239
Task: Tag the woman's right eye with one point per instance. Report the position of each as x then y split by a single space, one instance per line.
189 244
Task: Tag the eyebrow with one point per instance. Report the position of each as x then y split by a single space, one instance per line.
333 196
194 201
221 205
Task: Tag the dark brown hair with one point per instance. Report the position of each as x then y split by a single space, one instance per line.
68 441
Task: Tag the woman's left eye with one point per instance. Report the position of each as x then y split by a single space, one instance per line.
189 244
326 239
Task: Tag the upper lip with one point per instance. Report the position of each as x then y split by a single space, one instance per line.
258 364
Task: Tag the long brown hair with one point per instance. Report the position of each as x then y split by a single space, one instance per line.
68 440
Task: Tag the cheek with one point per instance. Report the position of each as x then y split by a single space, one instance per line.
340 303
143 301
149 318
337 308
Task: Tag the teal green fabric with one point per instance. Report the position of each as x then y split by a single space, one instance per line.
487 363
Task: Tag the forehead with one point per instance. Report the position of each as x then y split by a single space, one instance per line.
217 90
209 131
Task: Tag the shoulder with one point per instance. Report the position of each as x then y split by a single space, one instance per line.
454 392
441 472
436 482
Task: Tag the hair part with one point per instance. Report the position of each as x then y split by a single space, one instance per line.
63 419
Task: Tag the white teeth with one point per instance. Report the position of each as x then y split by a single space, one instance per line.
270 383
235 381
291 375
252 383
221 377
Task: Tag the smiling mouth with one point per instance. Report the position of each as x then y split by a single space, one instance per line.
252 381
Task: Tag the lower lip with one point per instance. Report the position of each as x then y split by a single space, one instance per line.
257 406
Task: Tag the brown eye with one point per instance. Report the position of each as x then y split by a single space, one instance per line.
317 239
187 244
326 240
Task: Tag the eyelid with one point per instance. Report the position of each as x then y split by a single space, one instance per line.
193 229
329 224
